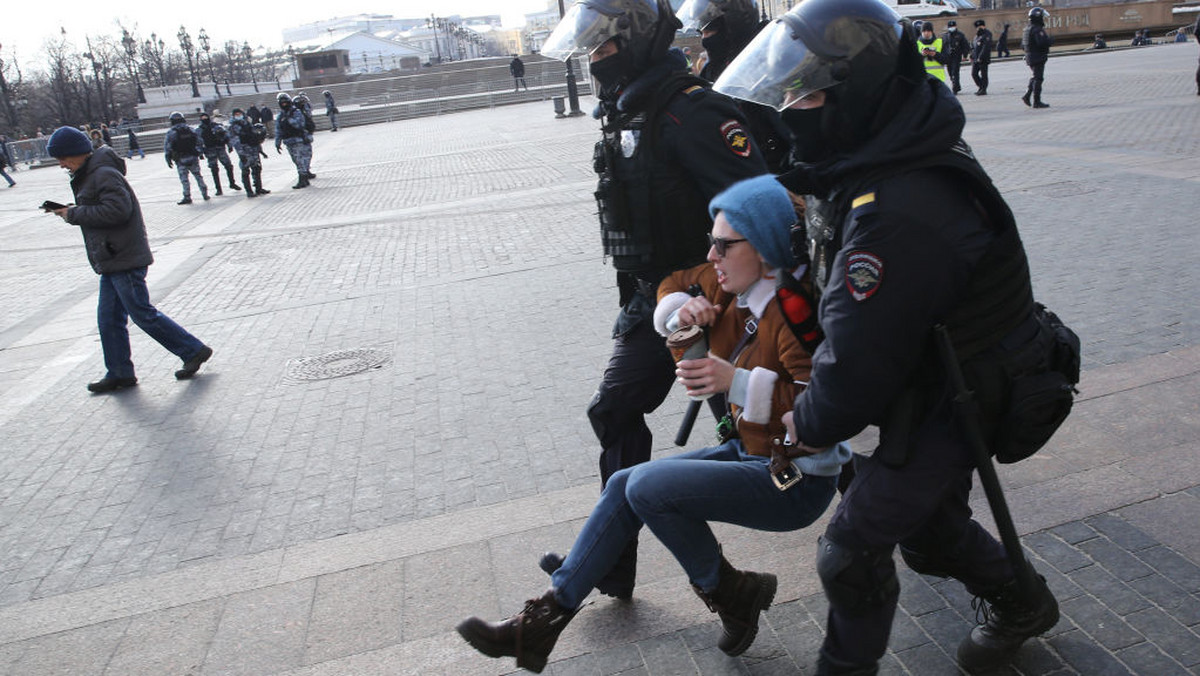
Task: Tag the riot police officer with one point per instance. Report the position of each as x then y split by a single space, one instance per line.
669 145
247 137
1036 43
899 245
216 142
291 130
726 27
182 147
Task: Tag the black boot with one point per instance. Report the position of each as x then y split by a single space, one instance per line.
617 583
232 183
529 635
216 174
246 183
258 189
1037 96
1028 93
1009 619
738 599
827 666
302 183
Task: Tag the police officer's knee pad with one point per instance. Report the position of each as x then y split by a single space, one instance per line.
929 564
856 581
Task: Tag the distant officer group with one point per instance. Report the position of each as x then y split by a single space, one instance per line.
184 146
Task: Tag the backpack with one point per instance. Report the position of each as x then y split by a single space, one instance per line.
184 144
310 125
252 134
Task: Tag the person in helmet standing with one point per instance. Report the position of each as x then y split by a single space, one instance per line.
183 148
957 49
247 138
931 49
331 110
290 130
981 57
1036 43
913 234
726 27
668 145
216 146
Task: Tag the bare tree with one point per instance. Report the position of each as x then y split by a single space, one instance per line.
11 83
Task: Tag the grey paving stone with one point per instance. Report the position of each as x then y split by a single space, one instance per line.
1145 658
1034 658
1183 572
1074 532
666 654
1057 553
1113 593
262 631
172 641
1115 559
928 659
83 651
356 611
946 627
1170 597
1086 657
1100 623
1176 640
1122 533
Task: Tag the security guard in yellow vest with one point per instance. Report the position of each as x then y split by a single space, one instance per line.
930 47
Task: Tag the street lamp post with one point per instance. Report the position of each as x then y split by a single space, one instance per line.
154 49
185 43
572 88
249 54
206 45
130 45
91 56
432 22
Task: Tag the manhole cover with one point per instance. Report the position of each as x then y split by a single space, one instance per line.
337 364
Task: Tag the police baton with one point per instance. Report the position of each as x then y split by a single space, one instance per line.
693 409
968 416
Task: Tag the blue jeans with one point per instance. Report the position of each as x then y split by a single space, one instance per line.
676 497
123 296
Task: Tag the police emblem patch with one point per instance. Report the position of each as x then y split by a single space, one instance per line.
864 274
629 141
736 138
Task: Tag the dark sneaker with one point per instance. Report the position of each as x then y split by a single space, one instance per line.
192 365
310 175
185 200
234 186
1040 104
1009 619
109 384
261 191
218 193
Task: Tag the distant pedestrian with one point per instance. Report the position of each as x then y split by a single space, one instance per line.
932 52
106 134
134 146
183 149
1002 50
114 233
1180 36
6 161
517 68
331 110
957 48
1036 43
97 138
268 120
981 56
1099 42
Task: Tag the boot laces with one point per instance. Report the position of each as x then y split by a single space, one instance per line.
983 610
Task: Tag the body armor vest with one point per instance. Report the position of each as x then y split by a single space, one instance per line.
652 219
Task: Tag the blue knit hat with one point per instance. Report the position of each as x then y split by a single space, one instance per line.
68 142
759 209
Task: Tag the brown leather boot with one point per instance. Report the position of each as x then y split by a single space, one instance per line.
529 635
738 599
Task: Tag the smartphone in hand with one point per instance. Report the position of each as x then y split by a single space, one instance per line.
51 206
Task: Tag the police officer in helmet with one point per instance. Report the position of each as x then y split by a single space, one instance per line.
669 145
1036 42
726 27
899 245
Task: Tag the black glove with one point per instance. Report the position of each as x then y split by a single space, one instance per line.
170 163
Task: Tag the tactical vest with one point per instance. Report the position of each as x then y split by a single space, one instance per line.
652 219
214 135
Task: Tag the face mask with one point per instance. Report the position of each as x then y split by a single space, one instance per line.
609 72
717 47
952 29
237 117
811 144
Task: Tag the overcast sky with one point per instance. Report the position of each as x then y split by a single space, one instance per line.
26 24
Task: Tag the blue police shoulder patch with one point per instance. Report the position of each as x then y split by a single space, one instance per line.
864 274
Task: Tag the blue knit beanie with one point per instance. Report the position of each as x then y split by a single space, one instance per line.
68 142
759 209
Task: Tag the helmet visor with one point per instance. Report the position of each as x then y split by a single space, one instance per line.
696 14
581 31
776 69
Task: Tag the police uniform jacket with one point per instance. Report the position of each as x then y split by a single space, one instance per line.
774 357
108 214
981 47
186 154
905 249
1036 43
289 127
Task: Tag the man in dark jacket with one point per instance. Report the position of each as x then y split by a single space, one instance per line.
981 56
110 218
957 48
517 68
1036 43
1002 50
896 254
217 145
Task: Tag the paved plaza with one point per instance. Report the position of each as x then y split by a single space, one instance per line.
392 428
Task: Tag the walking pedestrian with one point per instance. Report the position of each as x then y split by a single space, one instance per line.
981 56
134 145
109 216
1036 43
517 68
6 161
957 49
1002 50
331 110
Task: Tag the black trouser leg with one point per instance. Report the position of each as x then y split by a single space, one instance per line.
216 174
246 181
232 183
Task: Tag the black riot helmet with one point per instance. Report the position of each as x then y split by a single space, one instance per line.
283 99
1037 15
859 52
326 93
644 30
177 118
696 15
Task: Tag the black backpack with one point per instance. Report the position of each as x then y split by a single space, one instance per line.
184 144
310 125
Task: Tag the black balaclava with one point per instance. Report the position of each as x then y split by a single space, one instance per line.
613 71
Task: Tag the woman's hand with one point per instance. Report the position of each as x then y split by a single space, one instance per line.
709 375
697 311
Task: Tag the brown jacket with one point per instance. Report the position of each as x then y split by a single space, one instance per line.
774 356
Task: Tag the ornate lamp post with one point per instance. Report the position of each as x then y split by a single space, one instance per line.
153 49
185 43
432 22
130 45
249 54
90 56
206 45
572 89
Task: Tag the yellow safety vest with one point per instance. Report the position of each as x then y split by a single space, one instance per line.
931 65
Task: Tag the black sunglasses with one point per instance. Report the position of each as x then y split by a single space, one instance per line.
721 244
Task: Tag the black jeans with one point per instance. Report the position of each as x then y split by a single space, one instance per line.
979 73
